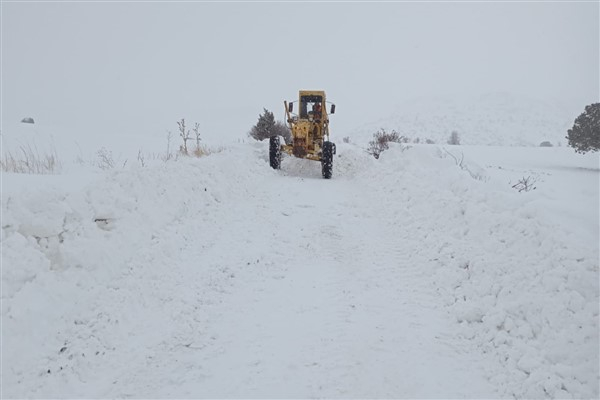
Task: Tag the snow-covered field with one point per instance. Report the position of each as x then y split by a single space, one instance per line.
496 119
423 274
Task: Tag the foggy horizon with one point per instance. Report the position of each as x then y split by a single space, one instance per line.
139 67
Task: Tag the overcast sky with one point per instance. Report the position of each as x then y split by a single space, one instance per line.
140 67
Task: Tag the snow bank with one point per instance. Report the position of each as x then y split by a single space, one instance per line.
523 289
68 249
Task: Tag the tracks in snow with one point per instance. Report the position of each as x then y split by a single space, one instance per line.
304 291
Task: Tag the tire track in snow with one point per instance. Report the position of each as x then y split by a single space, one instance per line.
275 285
331 307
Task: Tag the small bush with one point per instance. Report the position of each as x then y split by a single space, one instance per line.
200 151
546 144
454 139
381 140
105 159
525 184
282 130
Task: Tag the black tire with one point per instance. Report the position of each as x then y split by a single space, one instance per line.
274 152
327 159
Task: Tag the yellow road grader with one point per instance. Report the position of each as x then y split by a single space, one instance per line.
310 132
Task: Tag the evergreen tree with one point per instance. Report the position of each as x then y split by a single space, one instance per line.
454 139
584 136
267 127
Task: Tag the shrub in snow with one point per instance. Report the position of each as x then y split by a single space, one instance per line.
282 130
454 139
525 184
584 136
381 140
267 127
105 159
429 141
546 144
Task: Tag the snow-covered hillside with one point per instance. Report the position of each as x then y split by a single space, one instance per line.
498 119
415 275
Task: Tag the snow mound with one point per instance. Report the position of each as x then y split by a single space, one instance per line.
523 290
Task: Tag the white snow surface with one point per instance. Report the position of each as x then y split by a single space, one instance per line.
216 277
495 119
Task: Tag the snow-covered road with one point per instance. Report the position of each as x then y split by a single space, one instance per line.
326 304
403 277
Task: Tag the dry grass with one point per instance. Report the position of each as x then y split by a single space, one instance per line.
29 160
201 151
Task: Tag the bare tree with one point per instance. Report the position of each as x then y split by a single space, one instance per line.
197 134
141 158
168 155
185 135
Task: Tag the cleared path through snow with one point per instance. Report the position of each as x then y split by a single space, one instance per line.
316 296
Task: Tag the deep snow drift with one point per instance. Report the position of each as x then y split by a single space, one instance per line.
407 276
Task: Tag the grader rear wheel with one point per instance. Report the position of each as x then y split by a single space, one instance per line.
327 159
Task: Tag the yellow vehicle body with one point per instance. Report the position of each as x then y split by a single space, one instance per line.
310 132
309 127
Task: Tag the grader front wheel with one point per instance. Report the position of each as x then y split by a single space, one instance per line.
274 152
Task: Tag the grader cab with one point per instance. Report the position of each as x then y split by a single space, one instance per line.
310 132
